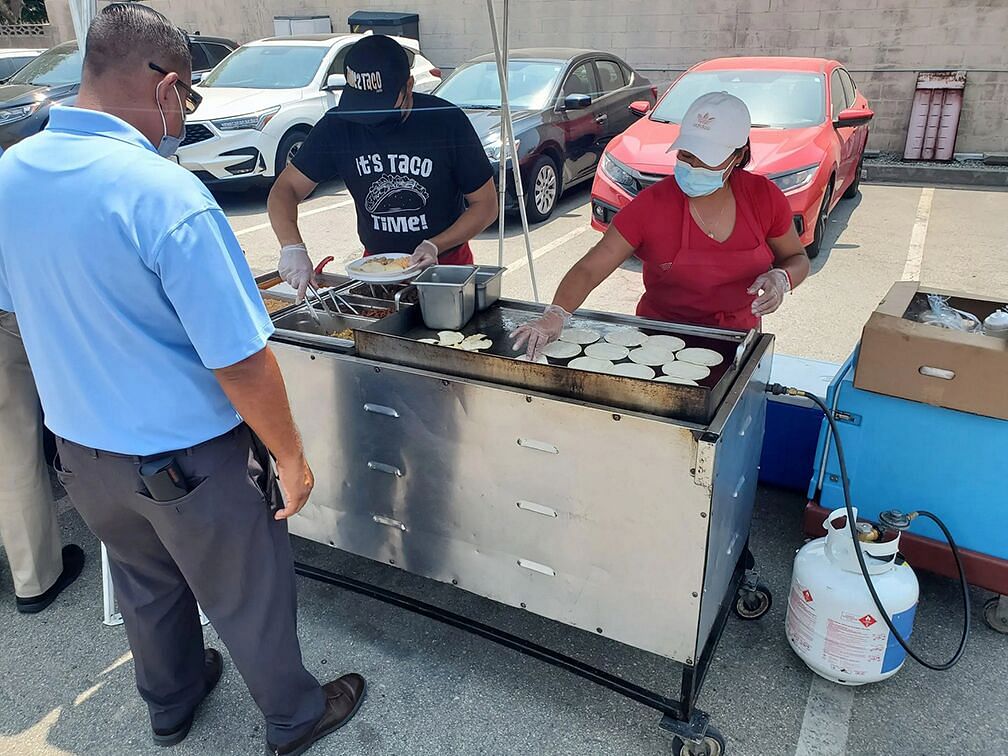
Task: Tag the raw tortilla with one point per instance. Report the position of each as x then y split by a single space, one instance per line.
607 351
580 336
430 341
561 350
628 337
687 370
669 342
474 346
540 360
699 356
673 379
447 338
591 365
649 355
474 339
633 370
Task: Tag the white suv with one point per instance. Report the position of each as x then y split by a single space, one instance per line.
261 101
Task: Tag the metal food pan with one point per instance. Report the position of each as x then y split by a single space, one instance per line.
299 326
488 285
396 339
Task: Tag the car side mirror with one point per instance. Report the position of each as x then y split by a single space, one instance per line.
336 81
852 117
577 102
640 108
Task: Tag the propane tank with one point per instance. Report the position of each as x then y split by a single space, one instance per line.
832 622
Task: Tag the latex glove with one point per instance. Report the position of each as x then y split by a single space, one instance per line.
425 255
536 334
296 269
771 288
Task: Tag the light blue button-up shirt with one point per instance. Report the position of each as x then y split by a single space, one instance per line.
129 287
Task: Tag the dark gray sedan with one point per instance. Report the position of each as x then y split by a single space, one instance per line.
566 106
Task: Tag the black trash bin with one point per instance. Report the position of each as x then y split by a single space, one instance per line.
386 22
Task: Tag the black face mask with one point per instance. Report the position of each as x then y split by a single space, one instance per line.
388 123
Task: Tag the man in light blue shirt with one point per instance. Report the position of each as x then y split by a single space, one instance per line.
148 341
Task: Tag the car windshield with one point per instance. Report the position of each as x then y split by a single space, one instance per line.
59 65
530 83
267 67
776 99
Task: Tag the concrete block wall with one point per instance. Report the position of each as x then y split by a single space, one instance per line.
883 42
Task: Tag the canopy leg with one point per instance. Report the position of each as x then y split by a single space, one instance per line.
507 141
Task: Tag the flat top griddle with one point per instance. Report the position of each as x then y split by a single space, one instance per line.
396 339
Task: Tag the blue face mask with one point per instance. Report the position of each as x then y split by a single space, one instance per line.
169 143
698 182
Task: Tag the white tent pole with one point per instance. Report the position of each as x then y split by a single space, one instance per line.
82 13
505 138
509 143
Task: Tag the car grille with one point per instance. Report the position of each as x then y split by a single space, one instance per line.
644 180
196 132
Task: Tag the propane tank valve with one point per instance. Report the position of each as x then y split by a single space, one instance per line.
896 520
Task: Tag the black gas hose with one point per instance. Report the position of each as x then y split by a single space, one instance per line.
777 389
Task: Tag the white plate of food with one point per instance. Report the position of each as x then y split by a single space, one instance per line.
391 267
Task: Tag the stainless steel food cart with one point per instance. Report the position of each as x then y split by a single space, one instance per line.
618 506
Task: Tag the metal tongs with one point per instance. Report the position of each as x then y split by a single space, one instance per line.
311 309
334 293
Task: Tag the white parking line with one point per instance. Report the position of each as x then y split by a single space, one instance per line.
826 723
546 248
301 214
915 255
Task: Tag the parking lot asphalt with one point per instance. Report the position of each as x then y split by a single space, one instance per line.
68 686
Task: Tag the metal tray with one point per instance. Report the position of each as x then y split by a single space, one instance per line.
298 326
395 339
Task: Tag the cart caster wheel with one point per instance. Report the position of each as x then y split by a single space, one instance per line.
997 622
752 603
713 744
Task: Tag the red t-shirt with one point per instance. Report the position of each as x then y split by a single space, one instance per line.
653 219
690 277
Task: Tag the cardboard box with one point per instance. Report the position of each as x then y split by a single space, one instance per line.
925 363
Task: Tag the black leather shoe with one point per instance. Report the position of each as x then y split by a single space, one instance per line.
343 698
213 666
73 563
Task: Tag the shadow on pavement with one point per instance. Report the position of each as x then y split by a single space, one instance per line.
572 200
838 222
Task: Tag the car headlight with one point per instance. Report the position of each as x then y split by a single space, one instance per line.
18 113
255 121
620 174
495 147
795 180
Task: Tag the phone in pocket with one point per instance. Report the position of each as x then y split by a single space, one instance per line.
163 479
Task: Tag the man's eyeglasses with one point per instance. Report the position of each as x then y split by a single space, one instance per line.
192 99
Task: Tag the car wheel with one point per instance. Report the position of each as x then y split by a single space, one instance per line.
852 190
822 219
543 190
288 148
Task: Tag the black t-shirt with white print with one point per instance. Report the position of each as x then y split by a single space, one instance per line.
409 182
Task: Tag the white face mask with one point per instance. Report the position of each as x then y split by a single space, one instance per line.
169 144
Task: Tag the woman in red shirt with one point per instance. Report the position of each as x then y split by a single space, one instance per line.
718 243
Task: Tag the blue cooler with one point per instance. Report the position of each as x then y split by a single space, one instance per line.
793 423
908 455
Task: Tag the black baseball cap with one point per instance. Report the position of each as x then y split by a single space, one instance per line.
376 69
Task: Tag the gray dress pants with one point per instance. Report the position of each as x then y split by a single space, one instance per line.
218 545
28 523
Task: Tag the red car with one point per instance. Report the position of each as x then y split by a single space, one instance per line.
810 126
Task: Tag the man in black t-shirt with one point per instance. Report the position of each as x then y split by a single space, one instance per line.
416 169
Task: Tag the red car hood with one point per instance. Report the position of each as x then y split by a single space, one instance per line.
644 146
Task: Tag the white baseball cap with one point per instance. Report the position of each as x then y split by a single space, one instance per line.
715 125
